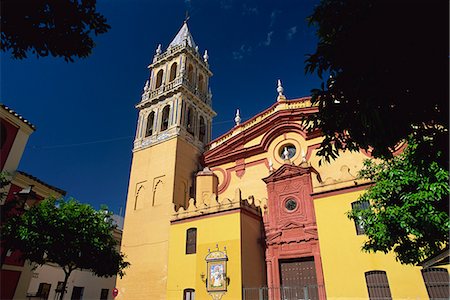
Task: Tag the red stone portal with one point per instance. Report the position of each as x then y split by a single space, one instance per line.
292 244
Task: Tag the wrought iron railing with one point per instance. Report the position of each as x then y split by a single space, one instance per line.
307 292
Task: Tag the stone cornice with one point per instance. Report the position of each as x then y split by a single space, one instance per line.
214 205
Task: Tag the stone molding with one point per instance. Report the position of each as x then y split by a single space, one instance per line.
215 205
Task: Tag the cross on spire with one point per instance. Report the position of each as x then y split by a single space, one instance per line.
186 18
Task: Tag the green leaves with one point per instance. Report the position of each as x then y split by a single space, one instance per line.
68 233
409 205
61 28
385 71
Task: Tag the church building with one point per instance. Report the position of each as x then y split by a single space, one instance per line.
250 214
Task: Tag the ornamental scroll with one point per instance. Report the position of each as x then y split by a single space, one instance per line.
217 282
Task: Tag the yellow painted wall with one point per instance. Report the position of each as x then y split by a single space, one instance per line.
253 261
344 264
185 269
149 206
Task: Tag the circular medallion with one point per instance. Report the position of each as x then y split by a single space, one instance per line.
290 204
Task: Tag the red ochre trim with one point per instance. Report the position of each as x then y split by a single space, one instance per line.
241 168
232 149
340 191
302 99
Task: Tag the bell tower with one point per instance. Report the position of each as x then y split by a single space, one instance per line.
174 125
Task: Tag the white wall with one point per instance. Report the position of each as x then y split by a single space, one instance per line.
52 274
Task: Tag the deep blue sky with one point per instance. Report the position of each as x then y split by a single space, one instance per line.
84 111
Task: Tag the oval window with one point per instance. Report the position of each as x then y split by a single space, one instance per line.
290 204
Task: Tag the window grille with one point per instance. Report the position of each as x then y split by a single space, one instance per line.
191 241
189 294
359 224
378 285
437 282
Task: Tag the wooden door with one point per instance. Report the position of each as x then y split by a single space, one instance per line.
298 279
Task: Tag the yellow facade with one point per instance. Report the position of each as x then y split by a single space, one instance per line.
341 253
173 126
228 201
238 231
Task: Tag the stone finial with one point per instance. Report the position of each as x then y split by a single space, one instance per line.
285 154
280 91
158 50
196 49
205 56
237 119
303 156
270 165
146 86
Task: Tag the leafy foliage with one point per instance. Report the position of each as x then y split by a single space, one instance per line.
61 28
409 205
69 234
388 68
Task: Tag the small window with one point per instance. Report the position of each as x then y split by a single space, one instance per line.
290 204
191 241
77 293
159 78
190 120
165 118
191 74
378 285
104 294
202 130
43 291
149 127
359 224
173 72
189 294
201 84
437 282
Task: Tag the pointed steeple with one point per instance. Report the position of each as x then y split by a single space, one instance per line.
182 36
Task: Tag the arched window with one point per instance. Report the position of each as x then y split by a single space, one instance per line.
165 118
190 120
191 241
189 294
149 127
202 130
159 78
173 72
201 83
190 74
378 285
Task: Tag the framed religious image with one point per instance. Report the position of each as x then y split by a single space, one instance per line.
217 279
216 263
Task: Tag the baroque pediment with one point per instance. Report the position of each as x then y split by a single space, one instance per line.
291 225
288 171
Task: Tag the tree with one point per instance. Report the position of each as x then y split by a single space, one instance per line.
386 68
61 28
69 234
409 206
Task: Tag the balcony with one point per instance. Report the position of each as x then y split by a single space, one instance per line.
173 86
